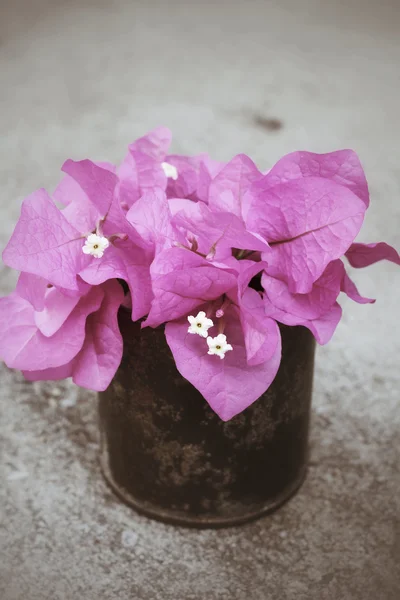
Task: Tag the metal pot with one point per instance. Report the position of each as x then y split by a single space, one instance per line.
168 455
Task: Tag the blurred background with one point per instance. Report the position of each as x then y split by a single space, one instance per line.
84 78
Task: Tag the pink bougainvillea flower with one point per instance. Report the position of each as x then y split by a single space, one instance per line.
342 167
22 343
220 253
141 168
84 343
182 280
185 182
240 334
124 261
216 230
229 385
154 144
44 243
208 170
78 211
227 191
32 288
322 327
148 165
97 362
348 287
56 310
318 309
100 187
127 256
312 305
151 218
194 175
307 207
260 332
308 223
363 255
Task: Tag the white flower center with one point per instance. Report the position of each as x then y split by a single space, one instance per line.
170 171
200 324
95 245
218 345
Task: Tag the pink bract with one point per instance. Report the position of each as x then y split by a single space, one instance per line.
228 385
181 281
45 244
308 223
99 350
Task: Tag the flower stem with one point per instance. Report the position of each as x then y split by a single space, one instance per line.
221 325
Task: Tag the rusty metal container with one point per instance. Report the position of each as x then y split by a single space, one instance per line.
168 455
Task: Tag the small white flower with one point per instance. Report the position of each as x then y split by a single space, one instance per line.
170 171
218 345
200 324
95 245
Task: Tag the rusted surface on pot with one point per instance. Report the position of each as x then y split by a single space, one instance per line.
165 452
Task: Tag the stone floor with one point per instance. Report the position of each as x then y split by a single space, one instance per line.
84 78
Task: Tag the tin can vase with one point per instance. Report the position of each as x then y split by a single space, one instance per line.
169 456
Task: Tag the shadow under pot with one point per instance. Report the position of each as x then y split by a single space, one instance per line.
168 455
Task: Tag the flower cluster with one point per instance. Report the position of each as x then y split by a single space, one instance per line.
201 324
218 254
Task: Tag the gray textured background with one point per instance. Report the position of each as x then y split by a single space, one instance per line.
84 78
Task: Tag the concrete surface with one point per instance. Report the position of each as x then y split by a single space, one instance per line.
83 78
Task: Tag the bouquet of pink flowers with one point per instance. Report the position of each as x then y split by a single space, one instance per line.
218 254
